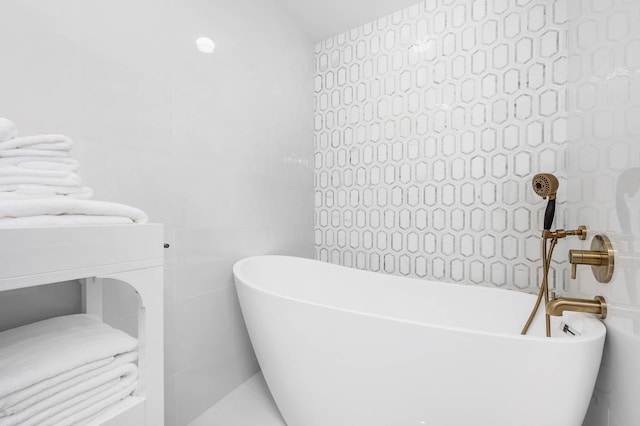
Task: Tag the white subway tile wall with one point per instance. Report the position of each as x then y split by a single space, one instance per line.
429 124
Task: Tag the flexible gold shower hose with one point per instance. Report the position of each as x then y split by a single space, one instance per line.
544 287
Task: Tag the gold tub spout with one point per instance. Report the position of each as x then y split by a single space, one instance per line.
598 306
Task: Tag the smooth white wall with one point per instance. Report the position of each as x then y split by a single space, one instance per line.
43 302
604 186
217 147
326 18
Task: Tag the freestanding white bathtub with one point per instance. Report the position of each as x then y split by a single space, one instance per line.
344 347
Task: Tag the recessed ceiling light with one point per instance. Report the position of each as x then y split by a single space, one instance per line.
205 45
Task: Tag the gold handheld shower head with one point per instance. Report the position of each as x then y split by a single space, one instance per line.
545 185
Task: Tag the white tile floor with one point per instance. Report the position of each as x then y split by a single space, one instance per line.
250 404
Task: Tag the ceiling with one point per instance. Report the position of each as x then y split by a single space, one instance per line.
322 19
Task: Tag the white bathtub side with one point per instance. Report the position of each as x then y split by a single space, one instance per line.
334 367
448 305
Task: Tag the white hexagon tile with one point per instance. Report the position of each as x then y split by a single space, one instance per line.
429 125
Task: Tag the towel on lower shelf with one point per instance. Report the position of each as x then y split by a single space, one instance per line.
78 401
63 370
98 372
45 349
88 415
62 206
81 411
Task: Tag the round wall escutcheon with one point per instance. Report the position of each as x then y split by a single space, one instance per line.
604 272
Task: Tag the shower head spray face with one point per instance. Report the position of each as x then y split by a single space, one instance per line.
545 185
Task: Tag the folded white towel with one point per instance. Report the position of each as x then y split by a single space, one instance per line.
82 412
39 142
8 130
39 351
60 206
50 163
25 398
26 192
71 179
14 170
78 401
17 195
53 146
20 152
99 417
62 220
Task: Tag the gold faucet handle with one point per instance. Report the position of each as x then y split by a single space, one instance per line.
600 258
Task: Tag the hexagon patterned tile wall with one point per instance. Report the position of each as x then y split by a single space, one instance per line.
429 125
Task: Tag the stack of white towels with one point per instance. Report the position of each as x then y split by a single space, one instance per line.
64 371
39 185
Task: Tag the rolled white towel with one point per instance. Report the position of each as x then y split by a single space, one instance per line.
64 206
8 130
23 152
38 142
71 180
40 163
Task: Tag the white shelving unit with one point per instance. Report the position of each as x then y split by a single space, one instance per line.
95 255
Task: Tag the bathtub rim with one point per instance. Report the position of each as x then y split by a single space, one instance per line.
598 331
